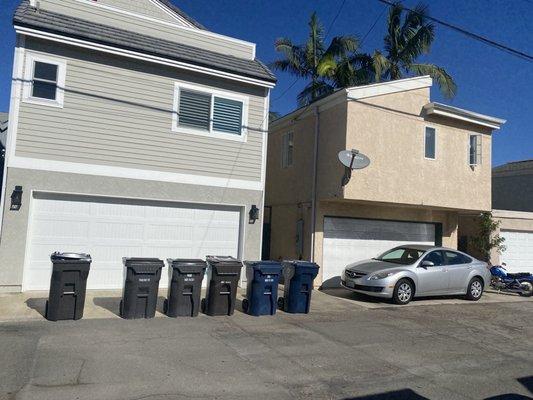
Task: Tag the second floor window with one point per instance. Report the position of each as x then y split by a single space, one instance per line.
44 80
205 112
430 143
474 150
287 150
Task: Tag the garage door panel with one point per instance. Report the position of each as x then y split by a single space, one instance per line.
110 229
519 251
347 240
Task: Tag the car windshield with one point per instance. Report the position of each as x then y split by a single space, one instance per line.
401 255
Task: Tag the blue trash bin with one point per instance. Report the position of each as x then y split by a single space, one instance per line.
262 289
298 279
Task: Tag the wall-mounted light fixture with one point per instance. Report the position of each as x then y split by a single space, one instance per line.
254 214
16 198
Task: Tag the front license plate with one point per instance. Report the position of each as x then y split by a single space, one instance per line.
350 284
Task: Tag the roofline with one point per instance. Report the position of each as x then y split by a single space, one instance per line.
175 10
445 110
360 92
42 34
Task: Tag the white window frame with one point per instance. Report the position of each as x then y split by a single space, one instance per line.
424 138
27 86
213 93
285 150
479 149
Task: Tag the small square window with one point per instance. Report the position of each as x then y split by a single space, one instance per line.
194 110
430 143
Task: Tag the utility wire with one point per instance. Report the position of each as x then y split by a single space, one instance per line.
471 35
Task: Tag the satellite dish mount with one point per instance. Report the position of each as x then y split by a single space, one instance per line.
352 159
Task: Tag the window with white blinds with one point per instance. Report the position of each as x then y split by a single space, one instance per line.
212 113
474 150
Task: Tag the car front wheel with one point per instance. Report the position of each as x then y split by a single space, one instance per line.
475 289
403 292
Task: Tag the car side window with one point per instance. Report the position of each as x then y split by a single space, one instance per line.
436 257
454 258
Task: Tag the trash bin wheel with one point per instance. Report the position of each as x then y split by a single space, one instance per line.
281 303
202 305
165 306
245 305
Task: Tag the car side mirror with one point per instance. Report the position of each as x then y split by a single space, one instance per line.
427 263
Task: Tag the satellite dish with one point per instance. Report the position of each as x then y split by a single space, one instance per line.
353 159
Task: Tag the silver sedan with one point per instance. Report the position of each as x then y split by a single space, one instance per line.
405 272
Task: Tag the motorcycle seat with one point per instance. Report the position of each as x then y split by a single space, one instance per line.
519 275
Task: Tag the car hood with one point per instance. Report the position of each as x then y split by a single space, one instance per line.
370 266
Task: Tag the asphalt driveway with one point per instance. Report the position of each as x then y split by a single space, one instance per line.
340 351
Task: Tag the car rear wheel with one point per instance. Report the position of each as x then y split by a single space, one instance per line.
403 292
475 289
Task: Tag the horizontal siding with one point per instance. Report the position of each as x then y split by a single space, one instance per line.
120 114
143 7
90 12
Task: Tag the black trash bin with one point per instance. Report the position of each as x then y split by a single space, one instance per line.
262 289
139 298
67 286
298 277
184 287
223 277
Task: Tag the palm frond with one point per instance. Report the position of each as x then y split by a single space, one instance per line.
380 64
417 42
439 74
342 45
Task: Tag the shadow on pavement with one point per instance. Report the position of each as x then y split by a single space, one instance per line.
527 382
404 394
111 304
38 304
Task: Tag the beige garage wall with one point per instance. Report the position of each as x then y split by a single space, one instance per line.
448 219
512 221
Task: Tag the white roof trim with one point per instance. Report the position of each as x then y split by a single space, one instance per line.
510 214
140 56
463 115
382 88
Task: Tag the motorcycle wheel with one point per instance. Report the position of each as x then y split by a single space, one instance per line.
527 289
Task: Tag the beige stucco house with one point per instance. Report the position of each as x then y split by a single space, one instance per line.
430 164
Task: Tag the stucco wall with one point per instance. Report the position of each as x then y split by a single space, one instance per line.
512 186
15 223
390 130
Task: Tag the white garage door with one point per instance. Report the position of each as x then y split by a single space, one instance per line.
347 240
110 229
519 253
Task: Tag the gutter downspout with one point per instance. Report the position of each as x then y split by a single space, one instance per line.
314 190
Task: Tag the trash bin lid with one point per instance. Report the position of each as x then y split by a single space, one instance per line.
266 267
223 260
301 265
143 265
58 256
187 266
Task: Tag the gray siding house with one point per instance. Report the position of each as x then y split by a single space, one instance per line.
133 131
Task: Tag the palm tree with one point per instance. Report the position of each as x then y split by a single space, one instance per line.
405 42
327 68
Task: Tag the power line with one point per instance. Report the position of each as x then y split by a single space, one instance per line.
469 34
335 18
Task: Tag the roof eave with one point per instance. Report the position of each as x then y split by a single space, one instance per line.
444 110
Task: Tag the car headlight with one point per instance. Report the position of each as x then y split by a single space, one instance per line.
381 275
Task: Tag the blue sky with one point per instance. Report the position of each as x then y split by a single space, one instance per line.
489 81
